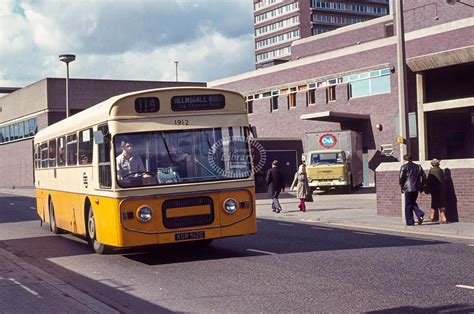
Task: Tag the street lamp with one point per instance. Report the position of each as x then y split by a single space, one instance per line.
66 59
402 85
176 62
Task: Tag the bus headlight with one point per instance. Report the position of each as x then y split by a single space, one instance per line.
341 178
230 206
144 213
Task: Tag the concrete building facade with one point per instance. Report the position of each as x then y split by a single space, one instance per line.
277 23
29 109
347 79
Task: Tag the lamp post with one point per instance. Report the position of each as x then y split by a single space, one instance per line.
402 86
176 62
66 59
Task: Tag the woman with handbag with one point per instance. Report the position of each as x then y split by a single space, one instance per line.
303 192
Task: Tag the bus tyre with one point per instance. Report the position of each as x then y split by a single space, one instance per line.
52 219
98 247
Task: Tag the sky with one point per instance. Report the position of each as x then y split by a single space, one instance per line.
125 39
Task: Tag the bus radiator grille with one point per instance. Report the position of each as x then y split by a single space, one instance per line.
188 221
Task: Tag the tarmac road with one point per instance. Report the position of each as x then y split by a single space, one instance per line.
290 265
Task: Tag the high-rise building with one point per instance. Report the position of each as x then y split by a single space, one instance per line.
277 23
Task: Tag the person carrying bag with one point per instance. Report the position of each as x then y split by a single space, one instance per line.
303 191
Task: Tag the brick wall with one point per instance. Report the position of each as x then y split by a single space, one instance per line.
459 187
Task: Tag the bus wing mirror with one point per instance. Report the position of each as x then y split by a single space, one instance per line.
98 137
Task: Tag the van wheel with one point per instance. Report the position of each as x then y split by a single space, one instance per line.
98 247
53 227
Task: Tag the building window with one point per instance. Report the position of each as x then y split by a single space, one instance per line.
249 107
389 32
311 97
331 93
369 83
291 100
273 103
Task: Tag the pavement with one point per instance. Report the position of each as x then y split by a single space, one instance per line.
357 210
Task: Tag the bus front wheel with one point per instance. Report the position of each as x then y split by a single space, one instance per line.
98 247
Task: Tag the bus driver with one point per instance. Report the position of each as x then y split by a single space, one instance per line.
129 165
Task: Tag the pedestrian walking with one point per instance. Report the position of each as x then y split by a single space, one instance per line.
436 186
276 183
303 191
412 180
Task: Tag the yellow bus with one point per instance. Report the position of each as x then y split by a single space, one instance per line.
149 167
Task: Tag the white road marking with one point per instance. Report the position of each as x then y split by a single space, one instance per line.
320 228
470 245
364 233
259 251
12 204
283 224
25 287
35 207
465 287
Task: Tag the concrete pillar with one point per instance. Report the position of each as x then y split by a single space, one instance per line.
420 100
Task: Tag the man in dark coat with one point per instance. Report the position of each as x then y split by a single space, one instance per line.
412 180
276 183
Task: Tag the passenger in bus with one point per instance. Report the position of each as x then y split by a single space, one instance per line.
129 166
61 156
85 159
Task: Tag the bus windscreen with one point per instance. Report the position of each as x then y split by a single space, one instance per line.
184 156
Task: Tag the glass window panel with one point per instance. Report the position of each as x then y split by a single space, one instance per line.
2 136
7 134
380 85
44 155
360 88
71 150
175 157
364 75
52 153
385 71
20 130
374 73
85 147
61 154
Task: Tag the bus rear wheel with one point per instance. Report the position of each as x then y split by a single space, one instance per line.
98 247
53 227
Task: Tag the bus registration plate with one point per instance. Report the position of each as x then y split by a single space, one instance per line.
189 236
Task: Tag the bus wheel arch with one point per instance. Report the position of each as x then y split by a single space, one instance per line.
91 230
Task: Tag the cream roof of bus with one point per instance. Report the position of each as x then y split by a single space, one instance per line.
102 112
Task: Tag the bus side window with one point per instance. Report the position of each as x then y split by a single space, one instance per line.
85 147
44 155
105 171
61 154
52 153
71 149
